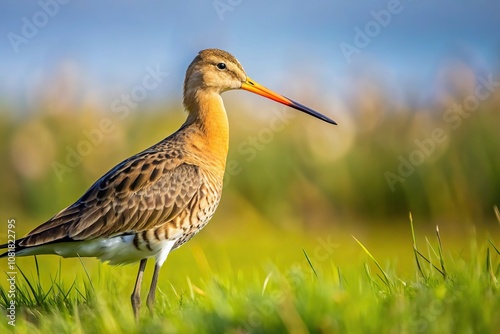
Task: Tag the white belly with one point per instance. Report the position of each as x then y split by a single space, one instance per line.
114 250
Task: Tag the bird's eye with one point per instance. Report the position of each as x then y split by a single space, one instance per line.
221 66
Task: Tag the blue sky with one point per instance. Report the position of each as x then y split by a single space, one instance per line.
111 43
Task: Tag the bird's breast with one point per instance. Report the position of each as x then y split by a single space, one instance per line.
201 209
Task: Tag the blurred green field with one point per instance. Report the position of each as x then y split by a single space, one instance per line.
292 184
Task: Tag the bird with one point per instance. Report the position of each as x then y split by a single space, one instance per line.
158 199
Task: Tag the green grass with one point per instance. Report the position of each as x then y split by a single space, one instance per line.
444 292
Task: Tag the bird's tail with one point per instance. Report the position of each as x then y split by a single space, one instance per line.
12 248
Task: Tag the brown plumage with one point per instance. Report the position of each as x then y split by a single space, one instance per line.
158 199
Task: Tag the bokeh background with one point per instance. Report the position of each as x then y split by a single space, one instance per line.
413 85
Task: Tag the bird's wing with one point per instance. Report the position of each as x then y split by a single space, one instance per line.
142 192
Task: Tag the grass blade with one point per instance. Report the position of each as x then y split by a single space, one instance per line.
341 278
415 248
440 250
429 262
33 291
489 267
87 274
492 244
385 278
266 282
310 264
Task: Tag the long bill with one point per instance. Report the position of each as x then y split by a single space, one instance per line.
254 87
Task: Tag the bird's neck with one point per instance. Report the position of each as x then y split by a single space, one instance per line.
208 116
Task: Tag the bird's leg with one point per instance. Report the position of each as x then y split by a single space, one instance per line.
152 290
136 294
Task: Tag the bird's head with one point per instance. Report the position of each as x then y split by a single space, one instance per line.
214 69
218 71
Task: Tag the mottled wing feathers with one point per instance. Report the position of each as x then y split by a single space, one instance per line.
143 192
